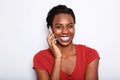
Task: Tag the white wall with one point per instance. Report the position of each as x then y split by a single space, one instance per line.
23 33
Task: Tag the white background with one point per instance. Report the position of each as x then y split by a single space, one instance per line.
23 33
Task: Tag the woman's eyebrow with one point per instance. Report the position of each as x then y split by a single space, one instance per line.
58 24
71 23
67 24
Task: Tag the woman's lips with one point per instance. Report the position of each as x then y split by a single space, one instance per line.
64 39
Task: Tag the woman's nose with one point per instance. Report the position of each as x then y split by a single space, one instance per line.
65 30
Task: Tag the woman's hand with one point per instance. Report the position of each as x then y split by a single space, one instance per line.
53 46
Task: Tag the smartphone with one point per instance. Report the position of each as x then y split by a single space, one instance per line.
50 30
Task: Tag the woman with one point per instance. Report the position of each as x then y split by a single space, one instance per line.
65 60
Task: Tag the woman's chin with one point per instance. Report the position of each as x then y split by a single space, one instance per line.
65 43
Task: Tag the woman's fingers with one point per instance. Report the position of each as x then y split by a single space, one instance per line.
52 44
51 39
54 41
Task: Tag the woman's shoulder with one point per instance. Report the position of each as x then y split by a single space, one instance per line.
86 50
43 53
85 47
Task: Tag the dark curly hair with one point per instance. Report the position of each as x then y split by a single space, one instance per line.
56 10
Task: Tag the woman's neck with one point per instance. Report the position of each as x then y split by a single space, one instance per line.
68 50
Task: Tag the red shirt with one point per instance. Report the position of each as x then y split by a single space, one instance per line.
84 55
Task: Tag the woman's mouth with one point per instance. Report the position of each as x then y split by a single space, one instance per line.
64 39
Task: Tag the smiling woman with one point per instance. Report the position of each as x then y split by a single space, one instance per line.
63 28
65 60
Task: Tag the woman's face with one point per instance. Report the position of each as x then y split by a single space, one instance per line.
63 28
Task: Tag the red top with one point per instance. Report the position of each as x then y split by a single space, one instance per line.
84 55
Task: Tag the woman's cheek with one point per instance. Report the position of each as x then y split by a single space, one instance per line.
57 32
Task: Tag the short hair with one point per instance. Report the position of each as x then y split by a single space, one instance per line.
56 10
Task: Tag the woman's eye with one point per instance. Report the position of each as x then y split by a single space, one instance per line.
58 27
70 26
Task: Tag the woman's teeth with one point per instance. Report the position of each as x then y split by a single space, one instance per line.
65 38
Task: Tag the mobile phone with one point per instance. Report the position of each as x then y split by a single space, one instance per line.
50 30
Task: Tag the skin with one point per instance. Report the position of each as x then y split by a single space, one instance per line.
63 26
